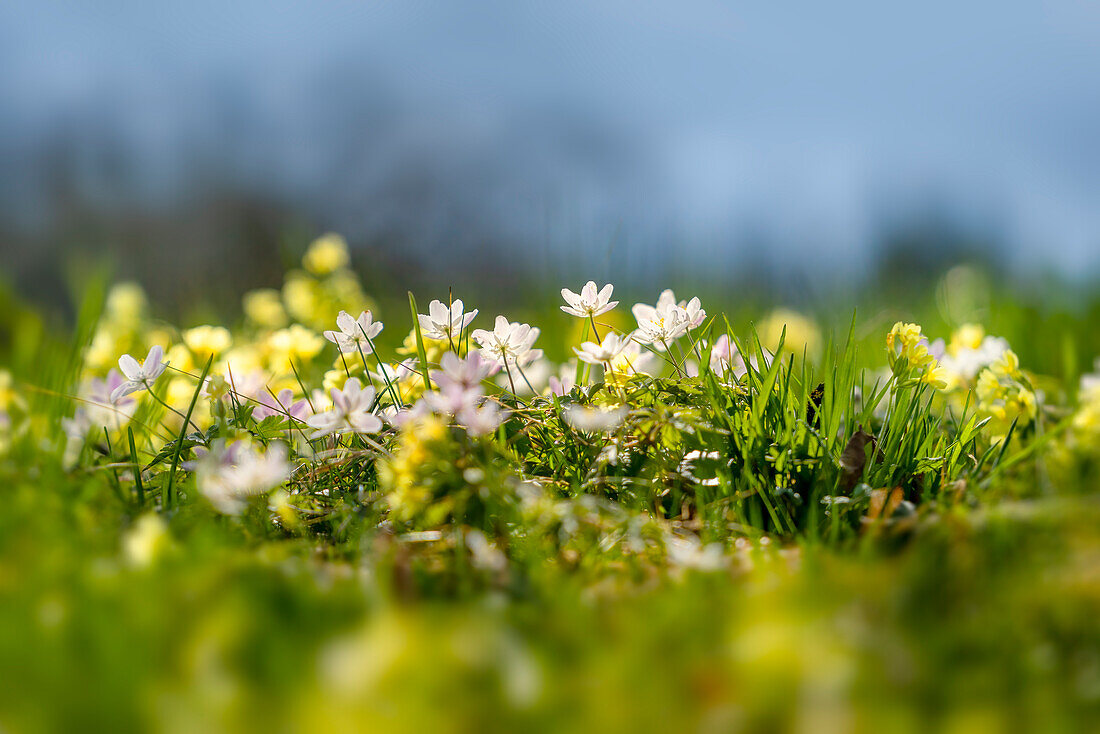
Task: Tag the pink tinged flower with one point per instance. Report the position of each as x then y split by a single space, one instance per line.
281 404
452 400
351 412
561 385
725 358
481 420
139 376
695 313
443 323
355 334
466 374
590 302
611 346
398 417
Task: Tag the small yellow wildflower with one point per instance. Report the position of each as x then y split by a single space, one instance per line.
409 476
146 541
264 307
433 348
295 343
9 397
967 336
909 356
126 304
1007 366
802 333
326 255
302 296
104 349
242 359
1004 394
217 387
181 358
207 341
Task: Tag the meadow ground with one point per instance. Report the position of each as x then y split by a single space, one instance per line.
677 519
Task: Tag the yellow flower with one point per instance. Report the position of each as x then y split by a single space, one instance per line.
904 339
302 297
408 476
936 377
909 356
279 503
207 341
126 304
336 378
9 398
179 356
242 359
1007 366
802 333
217 387
104 350
1004 395
264 307
146 541
326 255
626 364
967 336
295 343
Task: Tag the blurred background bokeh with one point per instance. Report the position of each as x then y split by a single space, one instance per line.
790 147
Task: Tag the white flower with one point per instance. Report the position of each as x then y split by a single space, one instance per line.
444 323
689 552
351 412
139 376
695 313
611 346
693 309
966 363
355 334
589 302
229 476
508 342
587 419
660 324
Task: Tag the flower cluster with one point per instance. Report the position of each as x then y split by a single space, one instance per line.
910 358
969 351
1005 394
228 475
425 417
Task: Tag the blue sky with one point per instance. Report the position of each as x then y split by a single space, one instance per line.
810 125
